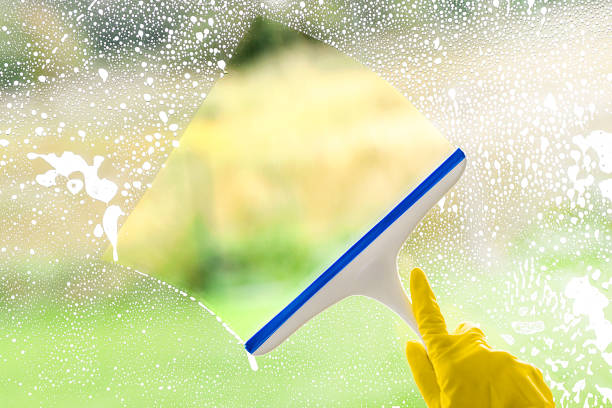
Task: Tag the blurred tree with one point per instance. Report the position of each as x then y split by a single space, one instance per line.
263 37
206 258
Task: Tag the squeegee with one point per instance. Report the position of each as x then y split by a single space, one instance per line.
369 267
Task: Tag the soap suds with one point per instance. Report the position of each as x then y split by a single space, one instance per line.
97 188
250 358
109 223
100 189
528 327
590 302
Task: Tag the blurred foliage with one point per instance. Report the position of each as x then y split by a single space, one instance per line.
31 45
265 36
200 258
285 164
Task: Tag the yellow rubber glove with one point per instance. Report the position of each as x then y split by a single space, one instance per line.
460 370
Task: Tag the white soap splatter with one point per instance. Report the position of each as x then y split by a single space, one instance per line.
577 388
252 362
74 186
103 74
601 143
98 231
250 358
221 64
554 364
47 179
97 188
605 392
100 189
441 203
4 142
528 327
590 302
606 188
109 223
544 143
163 116
550 102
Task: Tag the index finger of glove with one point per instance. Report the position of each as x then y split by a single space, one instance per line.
425 306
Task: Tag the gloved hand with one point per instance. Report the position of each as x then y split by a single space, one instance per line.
460 369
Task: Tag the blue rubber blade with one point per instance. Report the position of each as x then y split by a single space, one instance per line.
415 195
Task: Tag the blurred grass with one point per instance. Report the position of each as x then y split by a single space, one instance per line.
190 361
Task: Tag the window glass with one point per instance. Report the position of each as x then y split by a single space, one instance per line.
149 222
